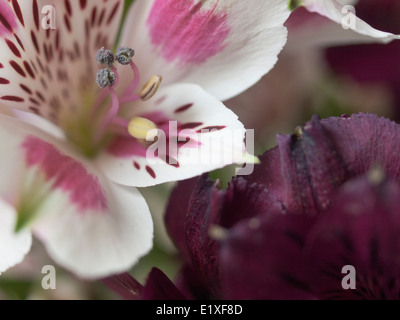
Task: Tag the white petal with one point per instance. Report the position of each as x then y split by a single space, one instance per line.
88 224
223 45
13 246
339 13
130 163
97 244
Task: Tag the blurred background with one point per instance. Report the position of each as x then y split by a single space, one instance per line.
315 74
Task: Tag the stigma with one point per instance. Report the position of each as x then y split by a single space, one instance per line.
107 79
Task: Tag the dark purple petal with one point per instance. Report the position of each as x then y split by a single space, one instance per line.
304 170
261 258
175 216
364 140
269 173
203 212
362 230
160 287
125 285
210 207
244 200
191 284
311 168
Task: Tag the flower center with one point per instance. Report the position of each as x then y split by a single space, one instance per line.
102 122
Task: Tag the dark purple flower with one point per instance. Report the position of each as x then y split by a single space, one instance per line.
325 198
361 230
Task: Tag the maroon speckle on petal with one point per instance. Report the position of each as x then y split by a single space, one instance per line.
4 81
136 165
68 7
190 125
12 98
35 12
113 13
83 4
13 48
18 68
184 108
151 172
18 12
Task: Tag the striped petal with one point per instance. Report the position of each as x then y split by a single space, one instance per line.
196 134
88 225
207 42
45 70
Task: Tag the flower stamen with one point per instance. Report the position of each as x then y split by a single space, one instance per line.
108 78
124 55
151 88
142 129
128 96
105 57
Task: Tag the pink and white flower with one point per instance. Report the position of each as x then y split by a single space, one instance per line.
67 189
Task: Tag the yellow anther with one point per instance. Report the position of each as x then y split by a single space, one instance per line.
151 87
142 129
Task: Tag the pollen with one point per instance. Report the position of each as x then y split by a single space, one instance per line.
105 57
151 88
124 55
142 129
105 78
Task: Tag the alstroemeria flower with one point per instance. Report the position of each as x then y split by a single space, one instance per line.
62 188
325 198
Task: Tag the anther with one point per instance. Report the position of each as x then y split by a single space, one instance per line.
142 129
151 88
105 78
105 57
124 55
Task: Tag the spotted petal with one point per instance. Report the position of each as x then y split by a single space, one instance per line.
207 42
201 135
44 70
13 246
87 224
